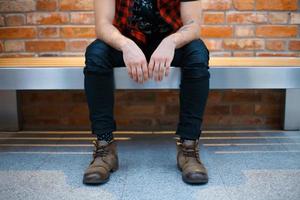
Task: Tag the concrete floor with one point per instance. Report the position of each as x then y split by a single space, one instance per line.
245 165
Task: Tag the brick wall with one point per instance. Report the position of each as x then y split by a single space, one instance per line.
153 110
229 28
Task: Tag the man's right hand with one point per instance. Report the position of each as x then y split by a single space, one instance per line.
135 61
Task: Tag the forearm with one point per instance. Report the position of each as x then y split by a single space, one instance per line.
111 35
185 34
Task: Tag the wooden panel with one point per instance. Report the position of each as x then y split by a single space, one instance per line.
214 62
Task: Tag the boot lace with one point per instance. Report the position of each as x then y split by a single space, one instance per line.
100 151
191 152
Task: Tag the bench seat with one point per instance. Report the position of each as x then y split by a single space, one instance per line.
226 73
66 73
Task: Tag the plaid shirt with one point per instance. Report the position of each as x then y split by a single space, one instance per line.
169 10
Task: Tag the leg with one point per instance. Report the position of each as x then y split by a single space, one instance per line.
99 85
99 90
194 87
193 58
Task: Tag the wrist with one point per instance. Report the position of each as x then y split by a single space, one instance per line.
172 39
124 43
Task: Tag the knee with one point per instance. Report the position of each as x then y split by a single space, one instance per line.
196 60
196 52
97 57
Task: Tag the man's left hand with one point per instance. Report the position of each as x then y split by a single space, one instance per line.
160 61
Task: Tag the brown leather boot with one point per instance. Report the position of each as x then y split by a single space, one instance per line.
188 161
105 160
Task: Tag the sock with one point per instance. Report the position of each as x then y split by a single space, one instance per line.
105 136
184 138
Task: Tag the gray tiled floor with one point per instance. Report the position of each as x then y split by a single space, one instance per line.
241 165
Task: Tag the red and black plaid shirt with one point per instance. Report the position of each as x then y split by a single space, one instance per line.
169 10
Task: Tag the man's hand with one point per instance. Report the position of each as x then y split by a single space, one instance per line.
161 59
135 61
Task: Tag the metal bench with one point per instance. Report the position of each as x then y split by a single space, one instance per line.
61 73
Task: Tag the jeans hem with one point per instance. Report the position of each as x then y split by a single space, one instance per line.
188 133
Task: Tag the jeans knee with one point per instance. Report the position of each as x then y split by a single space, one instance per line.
97 57
196 52
196 60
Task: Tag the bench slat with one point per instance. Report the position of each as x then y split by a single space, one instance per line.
214 62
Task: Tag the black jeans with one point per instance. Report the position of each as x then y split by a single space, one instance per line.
192 58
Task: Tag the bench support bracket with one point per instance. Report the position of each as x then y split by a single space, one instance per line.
292 110
9 116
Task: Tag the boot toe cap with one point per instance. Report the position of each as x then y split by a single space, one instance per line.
95 178
196 178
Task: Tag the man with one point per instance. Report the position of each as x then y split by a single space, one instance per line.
146 36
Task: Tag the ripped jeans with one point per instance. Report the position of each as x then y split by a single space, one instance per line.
192 58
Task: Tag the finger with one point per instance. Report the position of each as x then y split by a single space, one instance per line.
168 65
151 67
129 71
156 70
145 71
139 74
161 69
134 73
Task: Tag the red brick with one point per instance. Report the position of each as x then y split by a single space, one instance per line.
242 109
14 45
213 18
17 5
243 44
266 109
276 31
216 31
38 46
1 46
249 121
46 5
82 18
244 31
138 110
216 4
171 98
246 18
47 18
213 45
2 23
273 96
242 96
215 96
171 110
295 18
76 5
278 18
217 120
17 33
48 32
244 4
77 45
77 32
275 45
276 4
217 109
294 45
14 19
